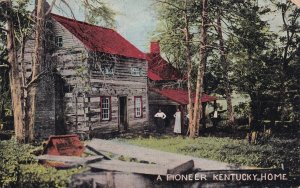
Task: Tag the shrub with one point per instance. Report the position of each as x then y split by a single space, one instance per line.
19 168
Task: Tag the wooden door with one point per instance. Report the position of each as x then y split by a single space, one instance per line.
123 120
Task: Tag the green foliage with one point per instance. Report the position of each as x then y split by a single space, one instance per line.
263 57
99 12
270 154
5 104
18 168
242 109
170 32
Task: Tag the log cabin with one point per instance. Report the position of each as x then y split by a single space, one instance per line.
94 80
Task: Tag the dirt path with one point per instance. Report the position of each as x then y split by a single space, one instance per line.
156 156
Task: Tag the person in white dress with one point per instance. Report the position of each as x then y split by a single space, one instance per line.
160 121
177 126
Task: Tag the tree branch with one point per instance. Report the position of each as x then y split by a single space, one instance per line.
165 2
50 8
34 80
69 8
2 29
4 66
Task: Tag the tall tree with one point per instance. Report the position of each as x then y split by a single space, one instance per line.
290 40
38 59
15 79
225 67
268 69
197 113
177 33
188 59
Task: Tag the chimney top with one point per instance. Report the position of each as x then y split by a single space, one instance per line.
154 47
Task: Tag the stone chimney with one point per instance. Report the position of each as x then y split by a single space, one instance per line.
154 47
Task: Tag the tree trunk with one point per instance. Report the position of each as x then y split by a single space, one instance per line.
201 70
254 116
15 80
23 67
203 119
189 63
224 62
36 69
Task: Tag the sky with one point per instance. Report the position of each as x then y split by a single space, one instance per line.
135 19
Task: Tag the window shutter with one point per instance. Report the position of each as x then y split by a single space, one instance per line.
110 111
101 108
141 107
134 105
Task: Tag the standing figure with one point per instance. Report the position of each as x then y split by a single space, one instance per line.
160 121
177 127
186 124
215 118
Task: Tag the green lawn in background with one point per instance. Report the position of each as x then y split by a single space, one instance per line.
271 154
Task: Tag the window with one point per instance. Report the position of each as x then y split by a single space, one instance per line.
105 108
59 41
107 69
138 105
51 38
135 71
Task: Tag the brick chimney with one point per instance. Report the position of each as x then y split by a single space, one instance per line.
154 47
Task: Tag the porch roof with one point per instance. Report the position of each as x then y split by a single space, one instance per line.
181 96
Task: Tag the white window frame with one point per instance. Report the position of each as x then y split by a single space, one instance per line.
135 71
105 108
59 41
138 106
107 70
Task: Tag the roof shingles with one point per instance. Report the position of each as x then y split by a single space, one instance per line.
100 39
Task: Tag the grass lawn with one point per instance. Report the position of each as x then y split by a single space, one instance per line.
270 154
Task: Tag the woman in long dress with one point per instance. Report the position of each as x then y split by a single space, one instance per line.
177 126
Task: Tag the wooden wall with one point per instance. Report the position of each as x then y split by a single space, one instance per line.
71 64
121 83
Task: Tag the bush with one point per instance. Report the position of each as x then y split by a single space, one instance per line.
18 168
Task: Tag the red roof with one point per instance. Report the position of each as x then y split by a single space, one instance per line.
160 69
153 76
99 39
181 96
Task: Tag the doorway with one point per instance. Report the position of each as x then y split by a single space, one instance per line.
123 122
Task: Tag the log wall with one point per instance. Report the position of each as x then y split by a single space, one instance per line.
119 84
